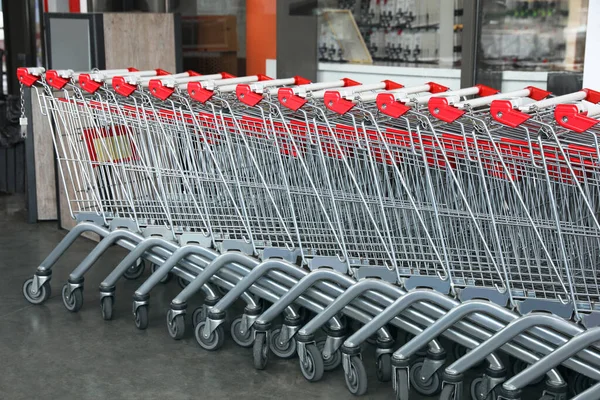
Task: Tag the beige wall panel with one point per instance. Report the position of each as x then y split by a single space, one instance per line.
144 41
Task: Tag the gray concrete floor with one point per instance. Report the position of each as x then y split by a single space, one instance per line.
47 352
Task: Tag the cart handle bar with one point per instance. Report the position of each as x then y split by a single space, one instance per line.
295 97
341 101
251 94
127 84
203 91
58 78
392 103
577 117
29 76
446 110
164 88
511 113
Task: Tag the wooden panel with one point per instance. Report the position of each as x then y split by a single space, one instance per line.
44 164
144 41
210 33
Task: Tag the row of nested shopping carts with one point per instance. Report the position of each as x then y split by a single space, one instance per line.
340 213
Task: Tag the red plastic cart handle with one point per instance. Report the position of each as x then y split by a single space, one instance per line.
441 109
25 77
246 95
288 99
503 112
336 103
387 104
56 81
199 93
568 116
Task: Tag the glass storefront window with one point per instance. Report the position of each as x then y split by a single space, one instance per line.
533 35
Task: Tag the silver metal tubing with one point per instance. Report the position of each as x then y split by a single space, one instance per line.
255 274
430 333
68 240
449 320
574 346
422 311
503 336
303 285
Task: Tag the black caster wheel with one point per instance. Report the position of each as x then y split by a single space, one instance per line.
448 393
135 271
165 278
214 341
402 389
356 377
182 282
198 315
476 392
74 301
242 339
312 368
141 317
517 366
384 368
426 387
106 306
581 383
333 361
176 326
260 351
282 350
42 294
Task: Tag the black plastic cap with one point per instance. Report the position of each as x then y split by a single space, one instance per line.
179 306
217 315
211 301
261 326
351 351
107 288
452 378
252 311
334 332
293 321
76 281
510 394
400 362
44 272
137 297
495 373
436 356
305 338
385 344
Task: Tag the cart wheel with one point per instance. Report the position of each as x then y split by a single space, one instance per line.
198 316
74 301
384 368
182 282
242 339
136 270
260 351
312 368
141 317
42 294
165 278
106 305
332 362
214 341
517 366
176 326
581 383
356 377
476 391
448 393
282 350
402 388
426 387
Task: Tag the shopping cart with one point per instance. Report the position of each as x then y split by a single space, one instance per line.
374 189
